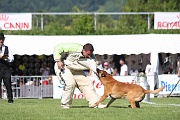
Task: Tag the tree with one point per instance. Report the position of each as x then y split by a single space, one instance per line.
138 23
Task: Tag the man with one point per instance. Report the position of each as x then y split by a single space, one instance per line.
150 69
45 71
72 59
124 68
6 56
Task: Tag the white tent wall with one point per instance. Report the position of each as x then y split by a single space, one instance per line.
103 44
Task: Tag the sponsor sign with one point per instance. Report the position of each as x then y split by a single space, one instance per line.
58 87
169 81
16 21
167 20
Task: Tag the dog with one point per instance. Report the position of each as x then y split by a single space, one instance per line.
117 90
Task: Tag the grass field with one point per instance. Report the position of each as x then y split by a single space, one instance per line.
49 109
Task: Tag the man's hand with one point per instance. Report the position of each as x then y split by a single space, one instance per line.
1 56
5 57
60 65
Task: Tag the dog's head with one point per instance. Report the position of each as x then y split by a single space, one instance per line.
102 73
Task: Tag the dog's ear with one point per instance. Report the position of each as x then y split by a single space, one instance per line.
103 75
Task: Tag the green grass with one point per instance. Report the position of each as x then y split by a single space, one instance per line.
49 109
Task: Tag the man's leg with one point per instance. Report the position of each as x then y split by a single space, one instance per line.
69 87
7 83
0 85
86 87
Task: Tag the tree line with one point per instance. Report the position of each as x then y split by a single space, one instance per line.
84 24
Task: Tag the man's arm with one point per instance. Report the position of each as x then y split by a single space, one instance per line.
61 49
58 49
65 48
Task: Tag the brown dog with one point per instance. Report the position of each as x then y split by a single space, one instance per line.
132 92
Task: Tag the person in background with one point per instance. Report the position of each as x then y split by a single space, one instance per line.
150 69
6 57
108 69
45 71
134 72
178 66
124 68
115 72
99 64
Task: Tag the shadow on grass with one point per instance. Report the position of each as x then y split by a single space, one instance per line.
105 108
79 107
118 107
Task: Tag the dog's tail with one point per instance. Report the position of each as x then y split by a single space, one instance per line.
155 91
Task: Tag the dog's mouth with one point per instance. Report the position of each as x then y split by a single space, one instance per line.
98 70
100 73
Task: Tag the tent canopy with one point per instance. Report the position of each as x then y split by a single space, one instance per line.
103 44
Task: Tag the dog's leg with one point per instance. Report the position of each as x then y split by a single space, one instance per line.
132 103
111 101
137 104
100 100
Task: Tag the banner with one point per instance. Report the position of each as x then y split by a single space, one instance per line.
15 21
167 20
58 87
169 81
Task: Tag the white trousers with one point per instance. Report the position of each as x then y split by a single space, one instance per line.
76 78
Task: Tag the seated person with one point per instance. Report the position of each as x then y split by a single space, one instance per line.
108 69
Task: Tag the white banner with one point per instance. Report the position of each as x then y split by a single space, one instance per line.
58 87
169 81
167 20
15 21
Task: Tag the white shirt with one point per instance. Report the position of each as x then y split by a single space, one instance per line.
124 69
45 71
149 70
10 55
100 67
109 70
134 73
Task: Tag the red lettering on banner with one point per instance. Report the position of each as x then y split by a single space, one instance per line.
93 82
78 96
74 96
16 25
81 96
166 25
99 85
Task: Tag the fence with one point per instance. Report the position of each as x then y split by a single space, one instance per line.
98 17
29 87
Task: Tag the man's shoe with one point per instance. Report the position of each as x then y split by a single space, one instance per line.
65 106
10 101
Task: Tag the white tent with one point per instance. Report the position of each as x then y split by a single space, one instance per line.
103 44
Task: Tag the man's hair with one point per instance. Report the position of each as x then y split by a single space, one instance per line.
88 47
122 59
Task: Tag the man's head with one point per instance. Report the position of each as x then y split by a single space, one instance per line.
121 61
2 38
44 65
87 50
